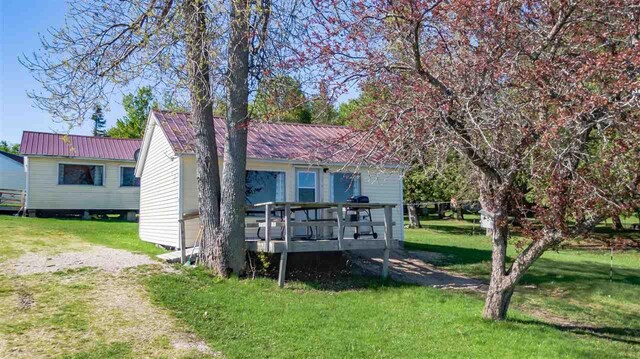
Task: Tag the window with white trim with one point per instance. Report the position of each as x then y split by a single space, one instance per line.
264 186
128 177
89 175
344 185
307 186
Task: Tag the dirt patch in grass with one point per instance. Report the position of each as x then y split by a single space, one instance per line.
79 312
107 259
414 267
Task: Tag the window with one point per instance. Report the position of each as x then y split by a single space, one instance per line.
344 185
128 177
90 175
264 186
307 186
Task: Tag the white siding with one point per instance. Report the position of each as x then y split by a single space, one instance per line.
385 187
46 193
190 190
381 187
11 174
159 193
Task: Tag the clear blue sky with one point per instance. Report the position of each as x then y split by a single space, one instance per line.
22 22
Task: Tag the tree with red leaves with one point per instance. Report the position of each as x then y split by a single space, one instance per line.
544 93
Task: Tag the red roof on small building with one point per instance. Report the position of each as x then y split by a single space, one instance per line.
61 145
281 141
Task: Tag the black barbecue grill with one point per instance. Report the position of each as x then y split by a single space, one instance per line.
355 214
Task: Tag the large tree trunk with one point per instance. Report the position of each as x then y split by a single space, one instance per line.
616 223
441 209
459 213
213 248
499 293
414 219
235 149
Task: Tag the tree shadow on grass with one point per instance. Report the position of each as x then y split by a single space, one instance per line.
354 281
452 254
544 270
617 334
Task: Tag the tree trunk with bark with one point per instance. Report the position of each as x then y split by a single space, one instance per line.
414 219
235 149
500 292
213 248
616 223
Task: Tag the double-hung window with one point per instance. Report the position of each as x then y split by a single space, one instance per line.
264 186
307 186
128 177
89 175
344 185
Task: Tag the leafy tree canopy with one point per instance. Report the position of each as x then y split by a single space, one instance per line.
137 106
280 98
10 147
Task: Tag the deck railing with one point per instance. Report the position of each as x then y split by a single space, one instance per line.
287 224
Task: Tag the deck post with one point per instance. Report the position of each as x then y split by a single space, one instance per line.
267 230
287 240
283 269
340 214
183 243
388 234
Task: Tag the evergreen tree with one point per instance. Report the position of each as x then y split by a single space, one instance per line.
99 122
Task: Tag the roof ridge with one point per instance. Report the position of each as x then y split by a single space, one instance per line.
89 136
301 124
264 122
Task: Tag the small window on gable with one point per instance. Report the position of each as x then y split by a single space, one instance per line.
90 175
344 185
128 177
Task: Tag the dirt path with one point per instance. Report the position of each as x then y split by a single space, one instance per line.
107 259
413 267
88 302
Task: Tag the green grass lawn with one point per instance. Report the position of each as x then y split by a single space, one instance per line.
569 284
254 318
350 317
38 234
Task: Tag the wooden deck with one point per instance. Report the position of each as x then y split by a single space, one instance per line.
333 217
320 245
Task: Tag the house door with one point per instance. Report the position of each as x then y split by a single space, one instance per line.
307 190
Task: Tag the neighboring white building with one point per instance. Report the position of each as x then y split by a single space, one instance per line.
74 174
286 162
12 175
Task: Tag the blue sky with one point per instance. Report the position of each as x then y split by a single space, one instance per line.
22 22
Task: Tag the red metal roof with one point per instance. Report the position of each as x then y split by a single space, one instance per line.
61 145
283 141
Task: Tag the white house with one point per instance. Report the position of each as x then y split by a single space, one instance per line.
80 174
286 162
12 175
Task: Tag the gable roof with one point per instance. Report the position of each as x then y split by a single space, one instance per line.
280 141
12 156
61 145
